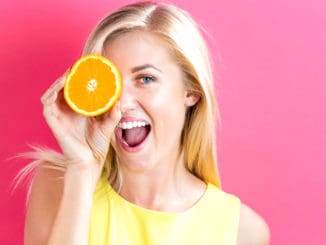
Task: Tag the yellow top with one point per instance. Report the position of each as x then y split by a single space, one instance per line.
213 219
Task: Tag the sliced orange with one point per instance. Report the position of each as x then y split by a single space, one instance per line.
92 86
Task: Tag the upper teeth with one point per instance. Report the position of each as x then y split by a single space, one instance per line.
130 125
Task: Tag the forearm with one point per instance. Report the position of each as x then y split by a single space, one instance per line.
71 224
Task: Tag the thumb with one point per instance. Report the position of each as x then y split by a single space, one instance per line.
111 120
104 127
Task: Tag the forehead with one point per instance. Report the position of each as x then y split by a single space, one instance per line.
138 47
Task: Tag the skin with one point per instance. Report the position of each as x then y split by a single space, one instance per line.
158 165
161 101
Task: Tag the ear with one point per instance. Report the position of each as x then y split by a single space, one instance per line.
191 98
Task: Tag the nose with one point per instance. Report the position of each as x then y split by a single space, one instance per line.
127 98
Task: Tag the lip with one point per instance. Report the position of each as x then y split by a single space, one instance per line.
122 143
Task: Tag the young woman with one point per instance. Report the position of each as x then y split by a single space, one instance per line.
144 173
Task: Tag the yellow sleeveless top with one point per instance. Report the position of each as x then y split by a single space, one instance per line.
213 219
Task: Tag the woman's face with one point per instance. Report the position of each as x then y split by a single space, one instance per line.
153 102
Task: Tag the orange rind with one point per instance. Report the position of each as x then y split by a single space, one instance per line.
93 85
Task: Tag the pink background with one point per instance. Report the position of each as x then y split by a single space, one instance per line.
270 58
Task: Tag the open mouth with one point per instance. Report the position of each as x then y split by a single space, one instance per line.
133 133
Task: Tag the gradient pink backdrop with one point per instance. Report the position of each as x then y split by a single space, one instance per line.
270 59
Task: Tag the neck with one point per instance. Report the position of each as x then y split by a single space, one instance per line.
164 187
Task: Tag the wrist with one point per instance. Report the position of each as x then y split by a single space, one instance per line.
82 178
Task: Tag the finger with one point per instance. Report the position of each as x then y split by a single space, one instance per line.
115 113
51 113
49 107
104 127
56 86
111 119
48 93
108 121
59 83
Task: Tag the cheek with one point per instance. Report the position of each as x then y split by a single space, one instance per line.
168 96
168 115
164 104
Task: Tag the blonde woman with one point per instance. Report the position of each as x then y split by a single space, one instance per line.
144 173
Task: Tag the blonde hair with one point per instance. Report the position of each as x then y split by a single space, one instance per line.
186 43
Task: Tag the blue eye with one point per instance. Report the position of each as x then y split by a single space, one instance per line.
147 79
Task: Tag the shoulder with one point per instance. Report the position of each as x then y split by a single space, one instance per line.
223 198
253 230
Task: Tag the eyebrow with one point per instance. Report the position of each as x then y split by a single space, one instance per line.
142 67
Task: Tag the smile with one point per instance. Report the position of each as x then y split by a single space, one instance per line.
132 134
134 124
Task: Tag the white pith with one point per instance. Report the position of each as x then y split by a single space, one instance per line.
132 124
92 85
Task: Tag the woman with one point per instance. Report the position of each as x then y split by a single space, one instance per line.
144 173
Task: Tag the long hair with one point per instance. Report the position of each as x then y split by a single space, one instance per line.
186 43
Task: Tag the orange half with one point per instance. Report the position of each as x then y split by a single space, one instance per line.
92 86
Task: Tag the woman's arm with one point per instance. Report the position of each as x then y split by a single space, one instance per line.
59 209
253 230
42 205
71 225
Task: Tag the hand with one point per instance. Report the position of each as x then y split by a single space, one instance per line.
84 141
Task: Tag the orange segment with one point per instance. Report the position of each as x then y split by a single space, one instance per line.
92 86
